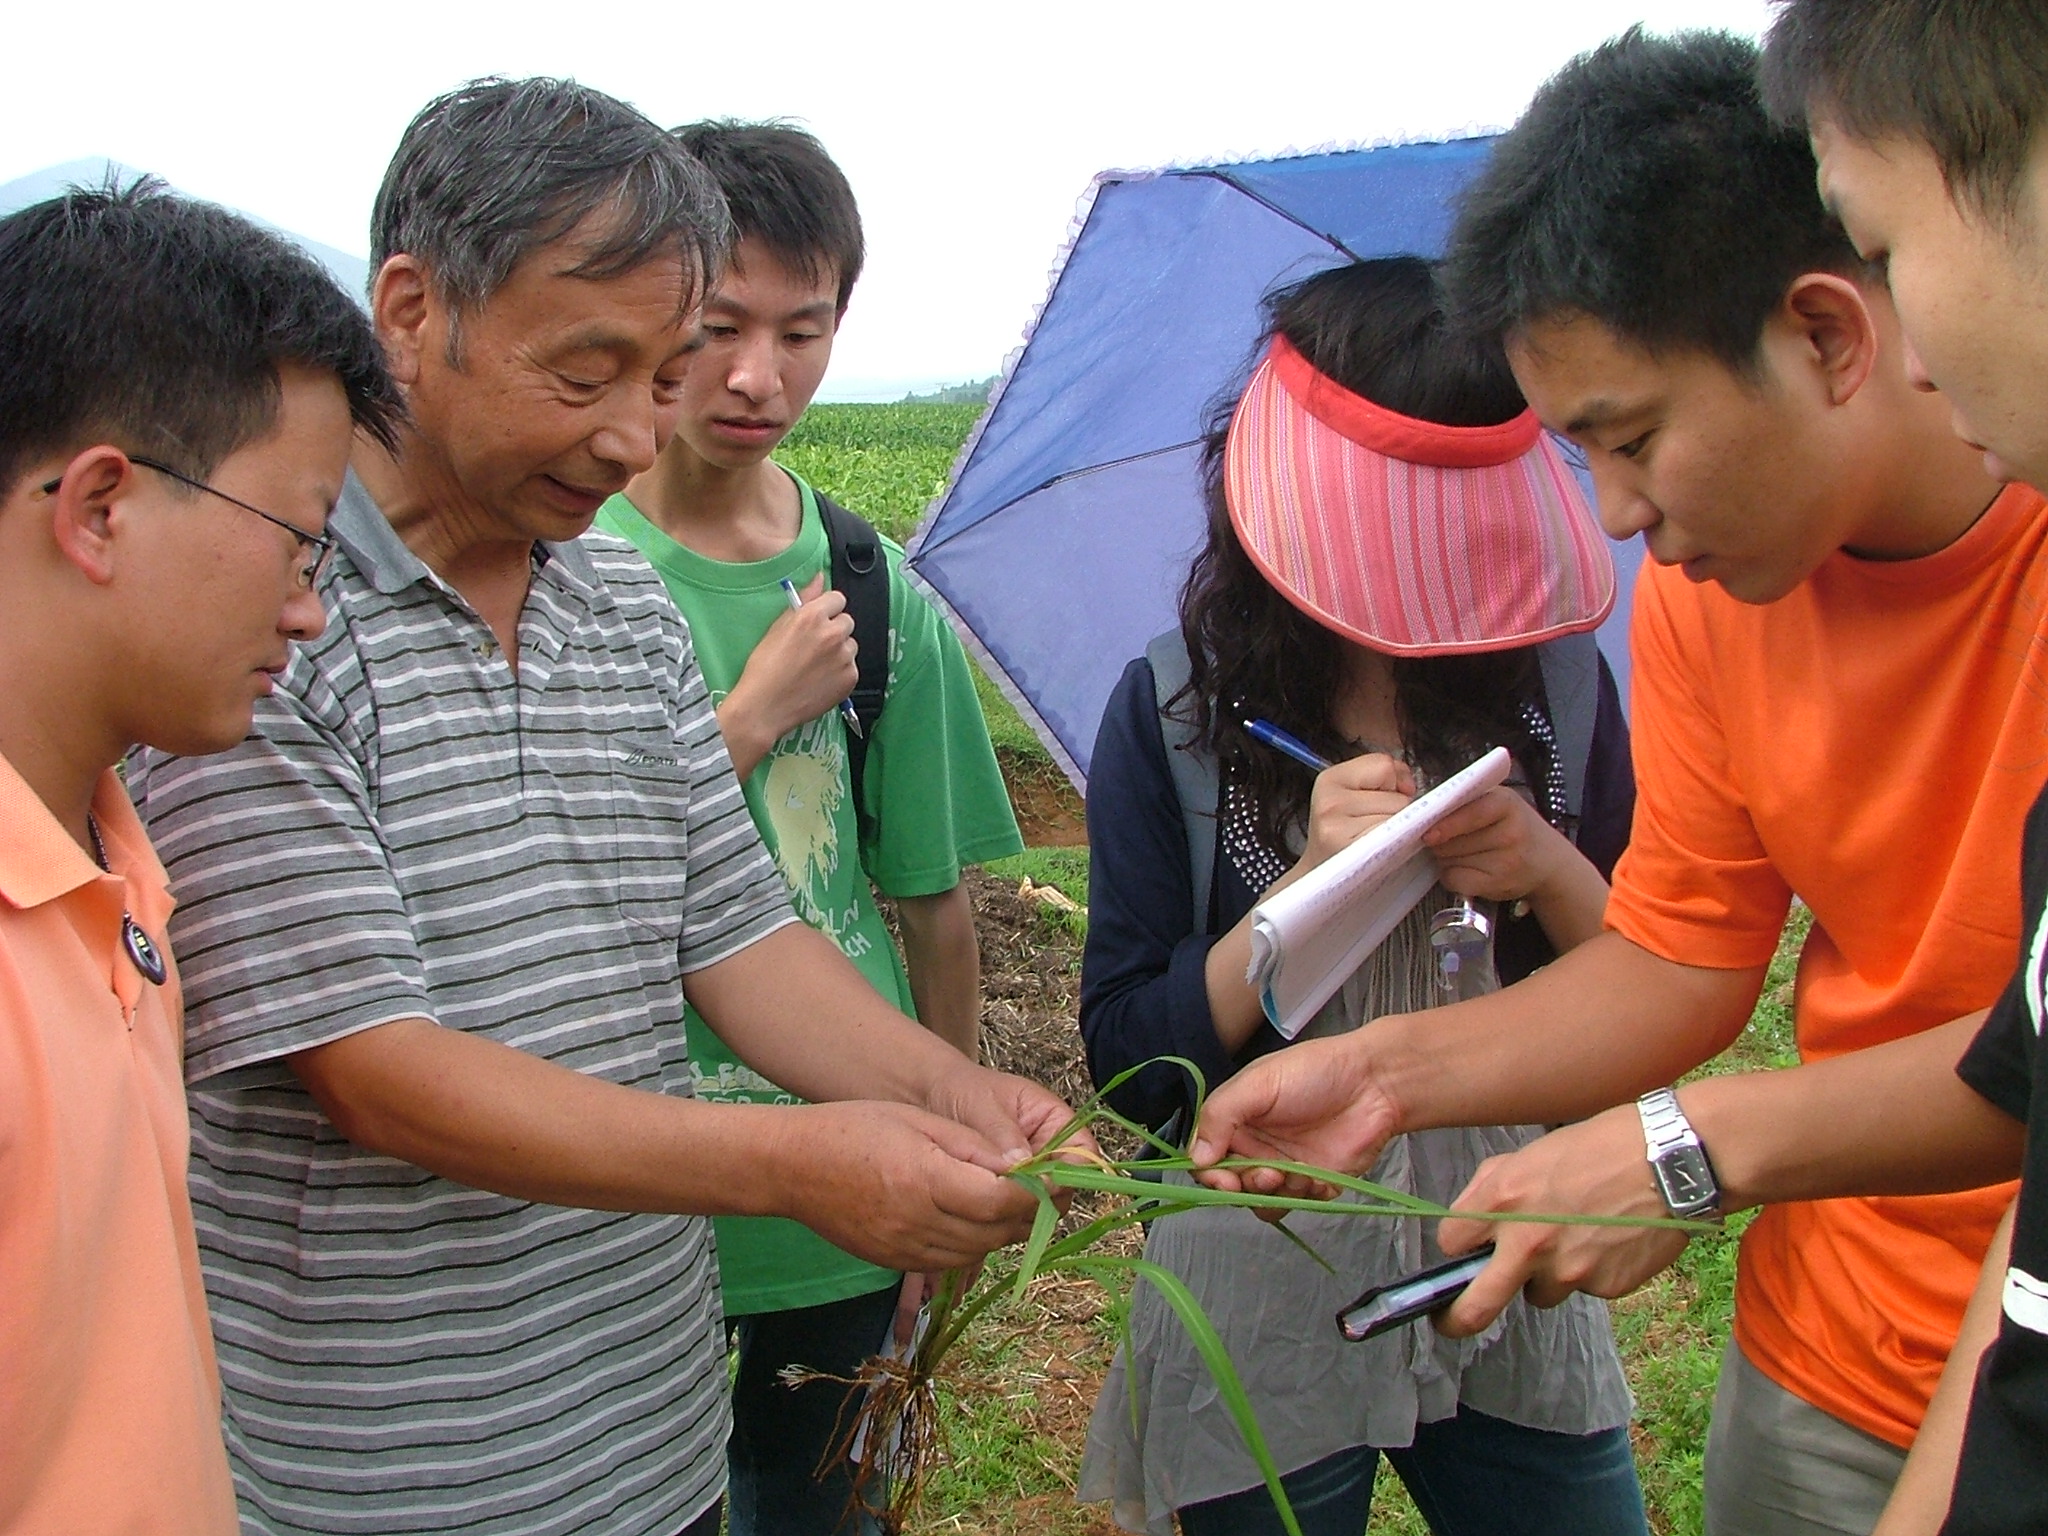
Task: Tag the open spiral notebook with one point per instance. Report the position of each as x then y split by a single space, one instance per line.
1308 938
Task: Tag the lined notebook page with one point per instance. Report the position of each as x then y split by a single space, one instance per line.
1308 938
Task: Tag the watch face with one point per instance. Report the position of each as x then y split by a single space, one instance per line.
1687 1180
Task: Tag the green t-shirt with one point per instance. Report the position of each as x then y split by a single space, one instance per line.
935 799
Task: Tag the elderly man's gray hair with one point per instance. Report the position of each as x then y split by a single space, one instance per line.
497 169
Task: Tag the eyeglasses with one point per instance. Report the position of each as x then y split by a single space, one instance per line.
319 545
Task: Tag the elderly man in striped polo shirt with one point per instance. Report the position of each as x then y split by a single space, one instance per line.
440 912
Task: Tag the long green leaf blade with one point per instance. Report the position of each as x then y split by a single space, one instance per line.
1209 1345
1042 1226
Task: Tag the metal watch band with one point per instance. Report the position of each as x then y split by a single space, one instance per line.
1685 1176
1664 1123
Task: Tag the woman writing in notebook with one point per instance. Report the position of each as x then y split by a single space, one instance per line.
1401 573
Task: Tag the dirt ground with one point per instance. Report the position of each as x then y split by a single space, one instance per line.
1030 989
1049 813
1030 977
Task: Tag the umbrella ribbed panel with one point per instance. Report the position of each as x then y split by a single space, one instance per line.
1059 543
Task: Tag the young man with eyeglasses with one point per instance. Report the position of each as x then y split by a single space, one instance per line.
315 549
162 363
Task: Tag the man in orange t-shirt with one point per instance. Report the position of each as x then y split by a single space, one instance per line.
1835 695
177 393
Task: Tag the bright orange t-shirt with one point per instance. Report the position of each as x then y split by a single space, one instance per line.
109 1401
1872 742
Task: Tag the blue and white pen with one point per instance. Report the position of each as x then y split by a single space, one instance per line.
1293 746
846 710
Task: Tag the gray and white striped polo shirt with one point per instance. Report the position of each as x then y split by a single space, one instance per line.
414 830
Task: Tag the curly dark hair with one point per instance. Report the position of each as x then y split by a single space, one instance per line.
1378 328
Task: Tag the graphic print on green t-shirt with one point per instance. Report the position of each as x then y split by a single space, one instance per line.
804 783
937 800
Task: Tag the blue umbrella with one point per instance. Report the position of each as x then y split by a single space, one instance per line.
1061 539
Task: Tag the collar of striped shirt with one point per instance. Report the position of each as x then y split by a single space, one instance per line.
360 527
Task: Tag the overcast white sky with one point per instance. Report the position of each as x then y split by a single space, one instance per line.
968 130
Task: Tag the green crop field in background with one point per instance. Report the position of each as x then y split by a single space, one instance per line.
887 462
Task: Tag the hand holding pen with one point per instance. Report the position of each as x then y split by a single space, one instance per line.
846 709
1349 799
802 666
1460 936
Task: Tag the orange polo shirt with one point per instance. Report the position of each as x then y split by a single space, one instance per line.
109 1402
1872 741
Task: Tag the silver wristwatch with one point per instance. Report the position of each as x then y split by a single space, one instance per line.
1684 1176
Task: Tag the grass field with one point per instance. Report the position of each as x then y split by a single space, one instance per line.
1018 1405
884 461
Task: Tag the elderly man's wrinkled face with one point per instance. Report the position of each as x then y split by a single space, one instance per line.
555 392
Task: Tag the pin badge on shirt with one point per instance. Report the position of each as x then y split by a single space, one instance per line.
143 951
141 948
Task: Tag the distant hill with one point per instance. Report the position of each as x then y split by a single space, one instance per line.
350 271
975 393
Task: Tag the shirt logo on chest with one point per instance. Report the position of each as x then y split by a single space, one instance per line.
2026 1300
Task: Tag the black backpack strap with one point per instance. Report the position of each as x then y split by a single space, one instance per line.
861 574
1571 684
1195 779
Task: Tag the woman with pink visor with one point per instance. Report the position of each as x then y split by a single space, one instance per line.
1401 573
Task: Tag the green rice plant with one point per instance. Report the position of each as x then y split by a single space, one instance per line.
1065 869
897 1425
885 461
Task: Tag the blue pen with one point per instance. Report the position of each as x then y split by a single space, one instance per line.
1280 741
846 710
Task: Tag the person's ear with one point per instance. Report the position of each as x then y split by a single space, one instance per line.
1832 317
85 516
401 308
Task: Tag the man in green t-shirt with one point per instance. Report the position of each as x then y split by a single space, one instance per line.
726 528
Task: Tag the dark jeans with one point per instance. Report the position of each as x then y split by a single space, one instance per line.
1470 1476
780 1433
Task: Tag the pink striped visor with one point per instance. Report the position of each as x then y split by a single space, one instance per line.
1403 535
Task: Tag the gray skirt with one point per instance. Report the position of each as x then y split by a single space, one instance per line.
1161 1436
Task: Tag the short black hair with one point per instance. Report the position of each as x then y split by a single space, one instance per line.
497 169
158 323
1647 189
1968 78
787 193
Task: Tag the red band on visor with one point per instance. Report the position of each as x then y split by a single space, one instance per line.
1358 420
